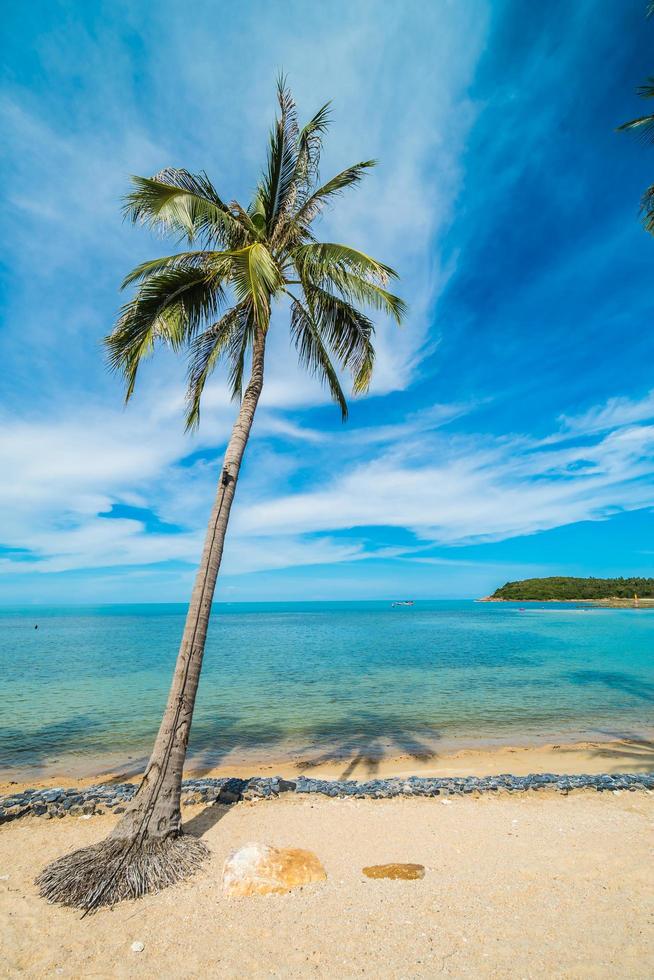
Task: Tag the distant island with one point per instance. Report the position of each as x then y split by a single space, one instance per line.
559 588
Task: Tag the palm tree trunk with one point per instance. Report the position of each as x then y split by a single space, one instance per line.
134 858
155 810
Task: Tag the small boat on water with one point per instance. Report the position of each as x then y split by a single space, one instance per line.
402 602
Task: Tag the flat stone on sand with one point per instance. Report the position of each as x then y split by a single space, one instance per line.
408 872
260 869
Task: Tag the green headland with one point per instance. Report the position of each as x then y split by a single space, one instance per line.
559 588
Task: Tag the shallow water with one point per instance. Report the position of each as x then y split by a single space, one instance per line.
333 678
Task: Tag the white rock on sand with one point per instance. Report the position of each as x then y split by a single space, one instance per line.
259 869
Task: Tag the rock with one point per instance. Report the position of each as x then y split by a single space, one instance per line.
56 802
226 796
259 869
286 785
137 947
406 872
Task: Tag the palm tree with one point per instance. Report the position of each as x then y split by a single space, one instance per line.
214 303
644 126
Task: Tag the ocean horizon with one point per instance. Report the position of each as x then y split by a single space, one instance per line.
84 692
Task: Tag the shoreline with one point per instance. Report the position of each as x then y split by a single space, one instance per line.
600 756
616 603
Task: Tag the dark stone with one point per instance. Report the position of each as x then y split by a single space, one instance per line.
286 786
226 796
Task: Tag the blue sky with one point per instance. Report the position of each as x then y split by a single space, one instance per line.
510 427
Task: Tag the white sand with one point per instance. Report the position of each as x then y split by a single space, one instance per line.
524 886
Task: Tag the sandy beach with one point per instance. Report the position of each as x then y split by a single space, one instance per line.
529 886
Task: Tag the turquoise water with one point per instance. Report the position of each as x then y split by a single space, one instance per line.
88 687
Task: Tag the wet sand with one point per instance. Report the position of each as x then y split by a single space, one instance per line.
529 886
618 755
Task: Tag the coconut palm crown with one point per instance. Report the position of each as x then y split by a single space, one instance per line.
214 304
214 300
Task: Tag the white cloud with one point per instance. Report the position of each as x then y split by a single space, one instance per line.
444 488
477 489
615 412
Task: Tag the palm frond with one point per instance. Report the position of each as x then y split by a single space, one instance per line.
241 341
346 331
179 202
205 352
182 260
644 126
647 209
324 259
316 201
310 146
313 354
256 277
277 184
356 289
169 306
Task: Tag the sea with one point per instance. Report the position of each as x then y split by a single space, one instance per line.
84 693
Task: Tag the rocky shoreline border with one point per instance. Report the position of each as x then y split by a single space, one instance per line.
113 797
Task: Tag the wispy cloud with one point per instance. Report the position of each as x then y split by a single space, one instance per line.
442 488
462 489
618 411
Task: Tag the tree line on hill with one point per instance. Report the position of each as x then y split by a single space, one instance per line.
562 587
